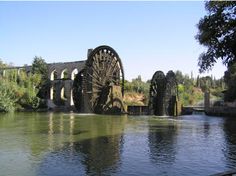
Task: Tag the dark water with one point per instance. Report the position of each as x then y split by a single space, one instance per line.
44 144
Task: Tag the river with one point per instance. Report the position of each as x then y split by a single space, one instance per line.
60 144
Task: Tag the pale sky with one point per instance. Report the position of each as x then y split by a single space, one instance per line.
148 36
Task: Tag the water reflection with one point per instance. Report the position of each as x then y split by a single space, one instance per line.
97 156
230 142
72 144
162 141
101 155
206 127
95 151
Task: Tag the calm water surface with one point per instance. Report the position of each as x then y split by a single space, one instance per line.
53 144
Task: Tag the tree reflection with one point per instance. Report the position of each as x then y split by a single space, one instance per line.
162 139
230 142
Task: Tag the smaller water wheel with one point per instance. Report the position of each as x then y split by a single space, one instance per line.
157 93
103 83
163 94
171 93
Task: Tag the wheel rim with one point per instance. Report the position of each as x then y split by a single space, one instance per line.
157 93
103 70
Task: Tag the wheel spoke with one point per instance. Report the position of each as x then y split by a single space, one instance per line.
102 68
94 84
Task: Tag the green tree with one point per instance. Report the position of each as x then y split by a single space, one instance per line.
217 31
179 77
135 88
230 80
205 83
7 96
39 66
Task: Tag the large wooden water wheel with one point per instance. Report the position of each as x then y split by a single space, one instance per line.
103 81
157 94
163 94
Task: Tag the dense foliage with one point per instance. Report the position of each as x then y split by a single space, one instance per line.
217 31
189 93
191 90
230 80
39 67
19 89
136 91
7 96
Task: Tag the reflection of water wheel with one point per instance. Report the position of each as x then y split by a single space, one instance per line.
157 93
103 72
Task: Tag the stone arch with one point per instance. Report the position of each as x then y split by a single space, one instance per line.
53 72
74 73
71 98
64 74
63 94
53 93
53 75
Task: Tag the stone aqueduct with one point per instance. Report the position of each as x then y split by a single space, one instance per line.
94 85
61 77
